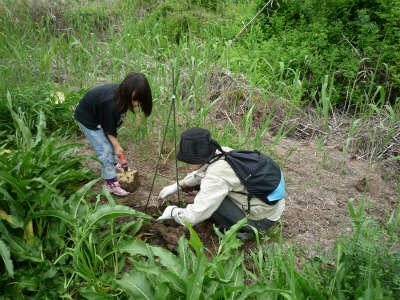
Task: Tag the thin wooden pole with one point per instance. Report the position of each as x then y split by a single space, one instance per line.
247 25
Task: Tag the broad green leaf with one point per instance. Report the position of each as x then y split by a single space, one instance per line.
224 291
28 165
233 266
133 226
62 215
305 285
108 212
41 125
89 293
13 182
135 247
25 131
103 245
174 267
18 247
19 123
195 280
186 256
137 286
28 283
45 183
77 197
176 280
253 291
108 196
6 194
229 241
169 260
194 240
68 175
238 279
5 255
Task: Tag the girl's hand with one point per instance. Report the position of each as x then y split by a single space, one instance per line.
118 150
123 162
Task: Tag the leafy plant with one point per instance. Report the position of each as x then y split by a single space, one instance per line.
37 172
93 240
37 167
189 274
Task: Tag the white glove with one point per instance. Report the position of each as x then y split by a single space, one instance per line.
167 214
168 191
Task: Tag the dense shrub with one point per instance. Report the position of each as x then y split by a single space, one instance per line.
354 41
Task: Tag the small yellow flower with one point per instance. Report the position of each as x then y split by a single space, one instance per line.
6 151
58 97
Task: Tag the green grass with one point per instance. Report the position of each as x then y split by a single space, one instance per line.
48 227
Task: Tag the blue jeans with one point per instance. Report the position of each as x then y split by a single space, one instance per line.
104 150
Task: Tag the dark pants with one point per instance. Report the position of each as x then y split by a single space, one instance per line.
229 214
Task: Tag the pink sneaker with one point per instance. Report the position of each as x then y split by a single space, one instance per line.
118 167
116 189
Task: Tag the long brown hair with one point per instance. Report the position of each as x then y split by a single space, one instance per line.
134 82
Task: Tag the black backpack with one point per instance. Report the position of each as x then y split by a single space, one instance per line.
258 172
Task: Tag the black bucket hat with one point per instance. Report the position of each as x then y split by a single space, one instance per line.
196 146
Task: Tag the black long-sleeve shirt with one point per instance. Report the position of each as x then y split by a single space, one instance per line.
97 109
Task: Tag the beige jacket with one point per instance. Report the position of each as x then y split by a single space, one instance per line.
217 181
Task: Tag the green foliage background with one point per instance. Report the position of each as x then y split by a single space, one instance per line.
356 42
326 53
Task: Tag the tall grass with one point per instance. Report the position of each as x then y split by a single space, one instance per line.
354 270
